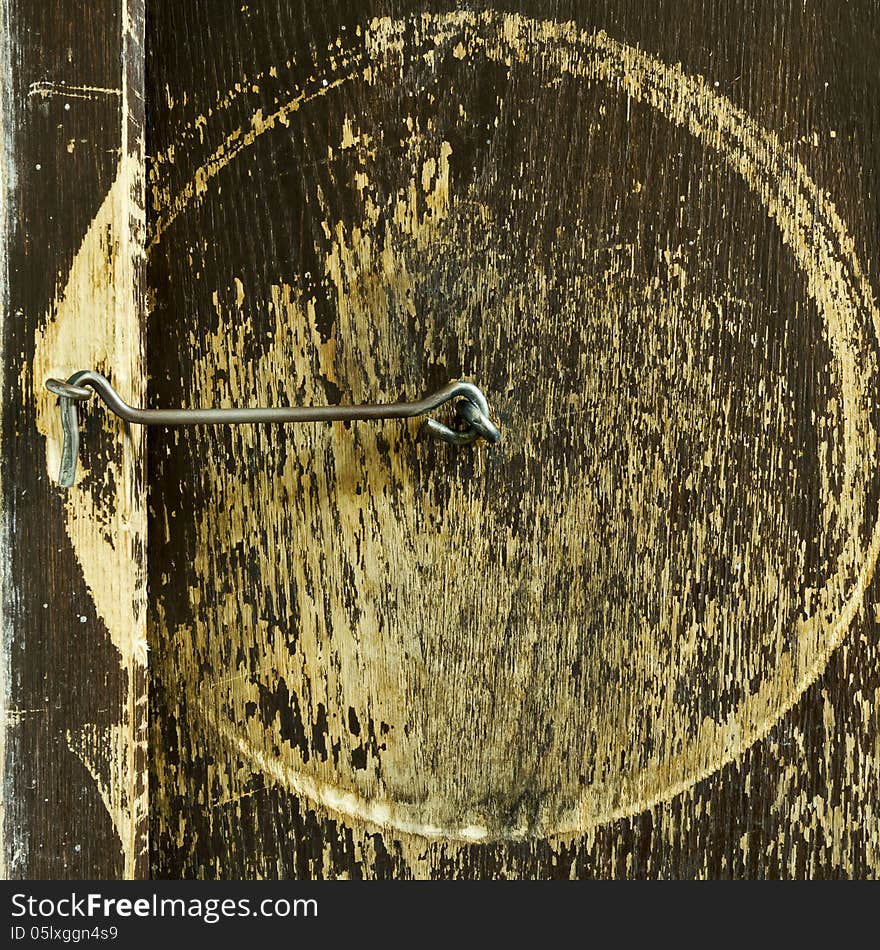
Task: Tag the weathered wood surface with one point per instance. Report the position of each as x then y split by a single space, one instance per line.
74 570
640 637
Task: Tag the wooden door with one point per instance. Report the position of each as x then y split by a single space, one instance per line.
73 680
638 637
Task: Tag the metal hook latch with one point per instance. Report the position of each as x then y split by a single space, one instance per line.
472 410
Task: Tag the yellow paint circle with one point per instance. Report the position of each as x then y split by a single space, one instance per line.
822 249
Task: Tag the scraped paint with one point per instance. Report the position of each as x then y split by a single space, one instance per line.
444 769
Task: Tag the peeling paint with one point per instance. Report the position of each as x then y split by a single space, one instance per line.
95 322
46 89
383 636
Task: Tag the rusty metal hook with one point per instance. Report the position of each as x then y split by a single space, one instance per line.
472 409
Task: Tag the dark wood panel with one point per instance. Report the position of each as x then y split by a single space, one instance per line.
73 586
636 639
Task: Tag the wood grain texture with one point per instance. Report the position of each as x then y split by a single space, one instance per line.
74 591
639 637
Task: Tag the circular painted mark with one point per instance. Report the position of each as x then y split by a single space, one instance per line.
423 786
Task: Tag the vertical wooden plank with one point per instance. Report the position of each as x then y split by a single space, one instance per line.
638 639
7 179
74 691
